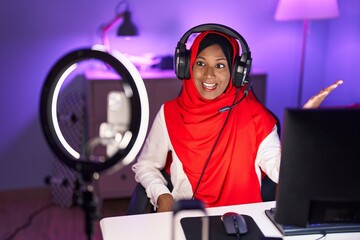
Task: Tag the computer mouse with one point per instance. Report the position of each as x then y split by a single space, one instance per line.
234 223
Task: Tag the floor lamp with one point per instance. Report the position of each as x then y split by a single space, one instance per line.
305 10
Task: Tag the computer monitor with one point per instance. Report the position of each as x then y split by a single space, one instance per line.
319 181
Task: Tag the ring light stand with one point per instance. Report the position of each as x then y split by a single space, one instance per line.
87 170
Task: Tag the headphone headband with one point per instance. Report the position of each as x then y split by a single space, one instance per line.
218 28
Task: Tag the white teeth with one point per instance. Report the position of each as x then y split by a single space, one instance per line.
209 85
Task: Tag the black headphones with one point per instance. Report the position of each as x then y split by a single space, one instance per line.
242 64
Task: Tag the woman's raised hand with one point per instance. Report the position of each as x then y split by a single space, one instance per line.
316 100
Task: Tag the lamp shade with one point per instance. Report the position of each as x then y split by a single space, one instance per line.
127 28
306 9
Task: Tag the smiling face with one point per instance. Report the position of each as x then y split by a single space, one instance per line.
211 72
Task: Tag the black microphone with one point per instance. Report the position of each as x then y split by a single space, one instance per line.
246 92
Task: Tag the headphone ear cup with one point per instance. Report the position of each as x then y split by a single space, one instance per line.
241 71
237 73
182 64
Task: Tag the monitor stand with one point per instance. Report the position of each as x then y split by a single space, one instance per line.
323 228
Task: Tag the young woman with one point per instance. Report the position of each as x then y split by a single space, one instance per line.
216 157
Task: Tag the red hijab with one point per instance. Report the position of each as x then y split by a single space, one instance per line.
194 123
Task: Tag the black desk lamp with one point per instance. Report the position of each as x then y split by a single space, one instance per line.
127 27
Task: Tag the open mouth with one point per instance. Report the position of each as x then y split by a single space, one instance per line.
209 86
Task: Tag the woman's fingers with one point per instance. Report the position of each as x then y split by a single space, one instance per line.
316 100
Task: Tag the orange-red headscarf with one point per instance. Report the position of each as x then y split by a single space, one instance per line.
194 123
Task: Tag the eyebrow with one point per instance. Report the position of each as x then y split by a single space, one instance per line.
220 58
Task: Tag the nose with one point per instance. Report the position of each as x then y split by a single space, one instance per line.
209 72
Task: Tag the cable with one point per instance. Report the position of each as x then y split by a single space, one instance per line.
28 223
213 148
323 237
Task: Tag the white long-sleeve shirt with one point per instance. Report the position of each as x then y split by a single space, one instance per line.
154 154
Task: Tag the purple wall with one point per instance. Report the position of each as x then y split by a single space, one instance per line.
35 34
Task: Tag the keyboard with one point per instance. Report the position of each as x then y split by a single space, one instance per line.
322 228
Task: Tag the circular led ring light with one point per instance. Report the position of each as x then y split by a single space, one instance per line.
134 88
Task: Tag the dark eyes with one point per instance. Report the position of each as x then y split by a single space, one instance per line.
200 63
218 65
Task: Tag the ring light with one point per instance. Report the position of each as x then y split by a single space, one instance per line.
134 89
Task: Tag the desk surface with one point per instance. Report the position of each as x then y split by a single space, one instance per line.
158 226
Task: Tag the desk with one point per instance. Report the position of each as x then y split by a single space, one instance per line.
157 226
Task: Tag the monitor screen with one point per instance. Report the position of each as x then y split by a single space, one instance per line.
319 181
